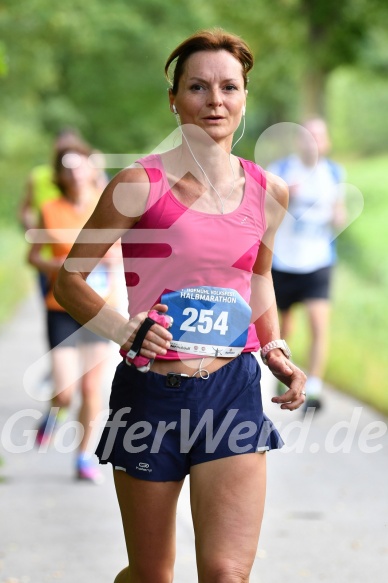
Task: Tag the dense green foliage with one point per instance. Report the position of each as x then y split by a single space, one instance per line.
357 100
364 244
98 65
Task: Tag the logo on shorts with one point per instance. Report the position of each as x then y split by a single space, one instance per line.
143 467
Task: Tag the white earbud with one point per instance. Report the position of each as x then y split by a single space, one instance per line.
243 110
174 109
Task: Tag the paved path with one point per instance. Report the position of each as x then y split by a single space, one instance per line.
327 507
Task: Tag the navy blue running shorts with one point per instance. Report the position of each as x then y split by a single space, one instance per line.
292 288
63 330
157 432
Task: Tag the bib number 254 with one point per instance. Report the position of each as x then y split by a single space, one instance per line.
204 321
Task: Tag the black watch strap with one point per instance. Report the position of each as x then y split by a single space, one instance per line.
139 338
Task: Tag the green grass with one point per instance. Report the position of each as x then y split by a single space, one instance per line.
359 322
364 244
16 277
358 339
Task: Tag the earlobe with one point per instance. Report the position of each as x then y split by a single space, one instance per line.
171 100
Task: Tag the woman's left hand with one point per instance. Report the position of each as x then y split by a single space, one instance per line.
291 376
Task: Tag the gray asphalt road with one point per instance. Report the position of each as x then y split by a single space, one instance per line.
326 517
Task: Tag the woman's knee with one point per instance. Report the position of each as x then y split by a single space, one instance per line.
62 400
224 571
90 390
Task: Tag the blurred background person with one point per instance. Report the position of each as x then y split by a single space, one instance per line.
42 187
41 184
73 348
304 252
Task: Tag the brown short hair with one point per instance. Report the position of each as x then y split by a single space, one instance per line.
215 39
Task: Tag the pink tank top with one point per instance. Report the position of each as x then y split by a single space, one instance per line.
174 247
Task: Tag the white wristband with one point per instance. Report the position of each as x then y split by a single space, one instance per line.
282 344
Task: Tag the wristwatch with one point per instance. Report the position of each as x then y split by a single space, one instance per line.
282 344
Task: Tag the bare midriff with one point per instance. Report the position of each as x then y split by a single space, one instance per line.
189 366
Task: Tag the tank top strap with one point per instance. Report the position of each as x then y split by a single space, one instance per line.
257 173
152 164
255 190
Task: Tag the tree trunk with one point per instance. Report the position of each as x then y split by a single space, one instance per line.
313 93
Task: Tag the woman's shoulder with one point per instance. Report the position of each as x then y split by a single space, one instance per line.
125 197
134 173
140 172
277 188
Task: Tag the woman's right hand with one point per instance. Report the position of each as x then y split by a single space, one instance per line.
157 339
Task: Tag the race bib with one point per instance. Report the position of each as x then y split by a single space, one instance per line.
208 321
